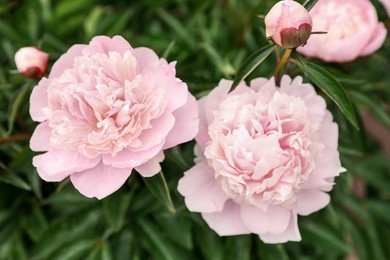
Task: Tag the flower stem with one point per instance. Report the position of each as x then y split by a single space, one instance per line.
14 138
282 62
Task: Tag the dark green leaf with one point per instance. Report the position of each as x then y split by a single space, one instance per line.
310 4
167 252
178 228
238 247
324 80
9 177
324 237
251 63
375 106
159 187
16 107
115 207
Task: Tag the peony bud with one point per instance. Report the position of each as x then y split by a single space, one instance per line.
289 24
31 62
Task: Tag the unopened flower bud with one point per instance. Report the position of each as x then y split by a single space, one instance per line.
289 24
31 62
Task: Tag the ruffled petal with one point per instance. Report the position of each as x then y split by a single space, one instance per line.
309 201
56 164
151 167
40 140
201 191
290 234
186 124
38 100
100 181
227 222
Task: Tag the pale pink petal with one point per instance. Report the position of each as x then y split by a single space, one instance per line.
104 44
151 167
290 234
214 98
38 100
377 40
56 165
66 60
161 127
274 219
309 201
131 159
186 124
176 91
40 139
100 181
202 138
227 222
145 57
201 191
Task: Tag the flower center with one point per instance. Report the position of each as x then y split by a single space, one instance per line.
261 148
101 105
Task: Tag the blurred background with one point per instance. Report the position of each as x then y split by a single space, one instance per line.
209 39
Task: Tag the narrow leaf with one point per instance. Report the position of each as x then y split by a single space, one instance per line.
159 187
9 177
157 239
324 80
251 63
115 208
310 4
16 107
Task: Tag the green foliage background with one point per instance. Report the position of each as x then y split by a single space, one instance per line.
209 39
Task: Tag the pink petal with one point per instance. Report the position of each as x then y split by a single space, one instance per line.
100 181
201 191
227 222
104 44
131 159
309 201
176 91
145 57
151 167
38 100
290 234
159 131
186 124
66 60
202 138
274 220
40 140
377 40
56 164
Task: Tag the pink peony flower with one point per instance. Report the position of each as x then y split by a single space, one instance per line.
265 155
31 62
288 23
352 30
106 109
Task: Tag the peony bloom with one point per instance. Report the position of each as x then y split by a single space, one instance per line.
352 30
265 155
106 109
289 24
31 62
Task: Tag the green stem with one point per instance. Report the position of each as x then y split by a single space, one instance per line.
282 62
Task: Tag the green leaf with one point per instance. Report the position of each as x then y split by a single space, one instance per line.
159 187
115 207
157 239
324 80
35 224
102 252
251 63
324 237
178 228
9 177
310 4
238 247
16 107
374 104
